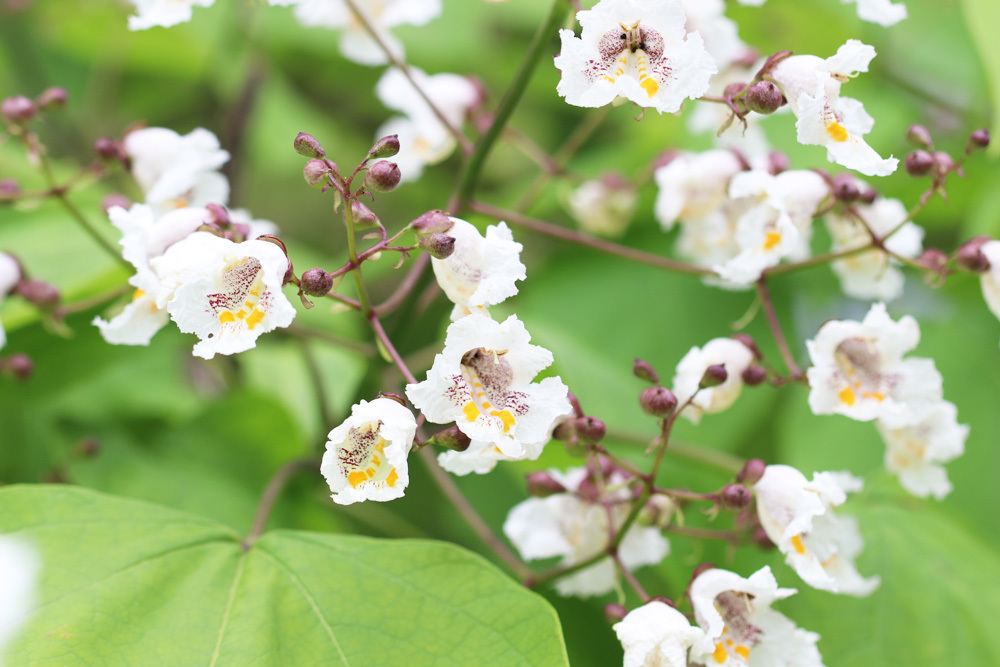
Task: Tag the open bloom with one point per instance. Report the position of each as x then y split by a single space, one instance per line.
883 12
423 138
916 452
637 49
575 527
824 118
719 32
177 171
742 628
10 275
657 635
365 456
19 567
226 293
163 13
482 270
603 206
797 515
356 43
873 274
734 355
990 279
694 186
482 381
859 371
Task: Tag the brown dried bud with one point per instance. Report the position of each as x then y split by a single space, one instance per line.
316 282
541 484
751 472
385 147
307 145
590 429
658 401
643 370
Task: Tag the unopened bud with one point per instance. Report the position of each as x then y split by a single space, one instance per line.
316 282
316 172
943 163
761 539
934 260
735 496
9 189
777 162
387 146
613 613
970 255
115 200
751 472
643 370
714 375
731 91
307 145
432 222
764 97
108 149
438 246
845 188
52 98
383 176
919 136
867 195
590 429
363 216
218 215
980 138
18 109
754 375
658 401
451 438
19 365
919 163
541 484
38 293
749 343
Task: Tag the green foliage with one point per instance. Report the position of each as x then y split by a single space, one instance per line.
983 16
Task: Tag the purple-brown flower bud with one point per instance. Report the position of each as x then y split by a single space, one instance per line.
943 163
970 255
316 282
432 222
383 176
735 496
9 189
658 401
764 97
52 98
919 163
919 136
115 200
749 343
363 216
777 162
754 375
845 188
38 293
438 246
451 438
387 146
307 145
761 539
19 365
613 613
217 215
868 195
541 484
643 370
290 271
934 259
714 375
980 138
109 149
751 472
316 172
590 428
18 109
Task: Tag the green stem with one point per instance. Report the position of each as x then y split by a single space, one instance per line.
352 255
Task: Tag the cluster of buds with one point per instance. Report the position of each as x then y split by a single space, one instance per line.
19 110
432 230
938 164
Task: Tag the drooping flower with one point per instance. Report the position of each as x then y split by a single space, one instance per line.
226 293
10 275
19 567
859 370
423 138
603 206
797 515
694 186
883 12
915 453
366 456
657 635
989 280
163 13
575 527
482 270
824 118
732 354
355 41
177 171
482 381
637 49
873 274
742 628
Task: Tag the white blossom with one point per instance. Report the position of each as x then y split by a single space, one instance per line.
575 527
916 452
719 32
482 381
226 293
657 635
859 370
19 568
742 628
797 515
799 193
603 206
163 13
177 171
883 12
990 279
824 118
734 355
10 275
366 456
482 270
637 49
694 185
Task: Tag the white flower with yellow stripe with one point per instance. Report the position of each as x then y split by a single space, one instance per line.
797 515
226 293
916 453
657 635
176 171
636 49
366 456
694 186
825 118
482 381
742 628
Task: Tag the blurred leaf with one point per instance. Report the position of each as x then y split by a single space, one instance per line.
982 18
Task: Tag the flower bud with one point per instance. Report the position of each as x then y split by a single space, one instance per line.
18 109
613 613
764 97
363 216
307 145
714 375
735 496
316 282
643 370
919 163
438 246
590 429
290 271
867 195
777 162
451 438
749 343
751 472
970 255
115 200
943 163
541 484
934 260
761 539
52 98
754 375
387 146
38 293
108 149
218 215
980 138
845 188
919 136
432 222
383 176
316 173
9 189
19 365
658 401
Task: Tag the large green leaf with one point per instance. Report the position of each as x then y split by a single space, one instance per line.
126 583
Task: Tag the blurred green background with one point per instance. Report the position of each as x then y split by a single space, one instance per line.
207 436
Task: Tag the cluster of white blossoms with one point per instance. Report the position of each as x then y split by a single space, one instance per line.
227 292
19 569
10 276
883 12
860 370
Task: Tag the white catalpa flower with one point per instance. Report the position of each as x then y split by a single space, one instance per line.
423 139
657 635
482 381
732 354
177 171
226 293
719 32
824 118
637 49
883 12
482 270
355 42
873 274
740 625
990 279
365 456
163 13
603 206
575 528
798 193
694 186
19 566
859 371
143 238
915 453
10 275
797 515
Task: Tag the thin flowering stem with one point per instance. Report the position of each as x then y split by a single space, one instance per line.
818 260
629 576
326 416
731 536
82 305
309 333
711 457
270 497
764 294
352 254
404 288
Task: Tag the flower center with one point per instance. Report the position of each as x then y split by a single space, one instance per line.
362 457
488 376
634 50
243 298
739 635
858 362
